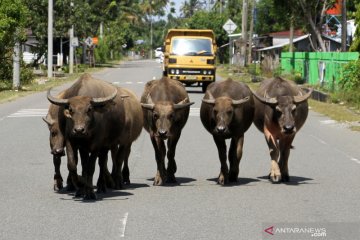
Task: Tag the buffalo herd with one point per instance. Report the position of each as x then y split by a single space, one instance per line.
93 117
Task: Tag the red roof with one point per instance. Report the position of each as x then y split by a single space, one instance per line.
286 34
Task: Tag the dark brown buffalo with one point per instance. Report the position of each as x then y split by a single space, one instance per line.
281 109
227 111
55 120
166 109
99 118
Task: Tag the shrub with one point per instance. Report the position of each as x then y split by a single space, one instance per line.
349 84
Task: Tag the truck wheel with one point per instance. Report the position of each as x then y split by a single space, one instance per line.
204 86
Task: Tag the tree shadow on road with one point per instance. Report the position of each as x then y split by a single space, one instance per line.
294 180
240 181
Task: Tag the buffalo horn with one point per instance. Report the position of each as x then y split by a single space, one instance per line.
301 98
211 99
57 101
240 101
148 106
266 99
182 105
103 100
48 120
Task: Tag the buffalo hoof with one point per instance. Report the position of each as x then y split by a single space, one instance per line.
118 186
158 181
171 179
70 188
275 178
101 188
222 180
285 178
58 185
79 193
90 196
127 182
233 178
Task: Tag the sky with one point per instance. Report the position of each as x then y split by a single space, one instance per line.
178 4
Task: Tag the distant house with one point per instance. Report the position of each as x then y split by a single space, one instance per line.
27 48
270 56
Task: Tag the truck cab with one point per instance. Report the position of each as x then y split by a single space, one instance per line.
189 56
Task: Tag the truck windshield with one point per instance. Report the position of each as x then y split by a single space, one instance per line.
191 47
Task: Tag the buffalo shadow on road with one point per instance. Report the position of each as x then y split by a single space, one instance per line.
239 182
180 181
109 195
294 180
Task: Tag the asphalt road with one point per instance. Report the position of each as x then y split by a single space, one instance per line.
323 193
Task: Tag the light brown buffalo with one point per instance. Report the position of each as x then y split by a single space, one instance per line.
227 111
281 109
166 109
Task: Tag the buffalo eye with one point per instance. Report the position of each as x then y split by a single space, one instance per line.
53 133
278 110
229 112
155 115
293 108
172 115
71 111
89 110
215 112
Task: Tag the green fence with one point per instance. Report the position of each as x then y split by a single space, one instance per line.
317 68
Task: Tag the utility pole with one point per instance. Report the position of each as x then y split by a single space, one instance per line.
343 26
50 39
16 66
252 4
71 47
71 50
243 34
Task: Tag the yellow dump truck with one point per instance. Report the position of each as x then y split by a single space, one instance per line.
189 56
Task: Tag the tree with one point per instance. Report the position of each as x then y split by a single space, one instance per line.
13 16
189 8
355 46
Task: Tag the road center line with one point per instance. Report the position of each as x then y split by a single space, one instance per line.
318 139
355 160
123 221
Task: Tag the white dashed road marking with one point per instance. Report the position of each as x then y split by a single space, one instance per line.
29 113
123 221
194 112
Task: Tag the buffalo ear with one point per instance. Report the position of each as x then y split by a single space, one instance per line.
67 113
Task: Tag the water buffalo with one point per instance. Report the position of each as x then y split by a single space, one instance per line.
281 109
55 120
100 117
166 107
227 111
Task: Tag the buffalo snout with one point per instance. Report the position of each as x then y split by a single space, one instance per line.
163 133
220 129
58 152
79 131
289 128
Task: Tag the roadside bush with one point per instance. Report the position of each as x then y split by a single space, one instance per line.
349 84
102 52
26 75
